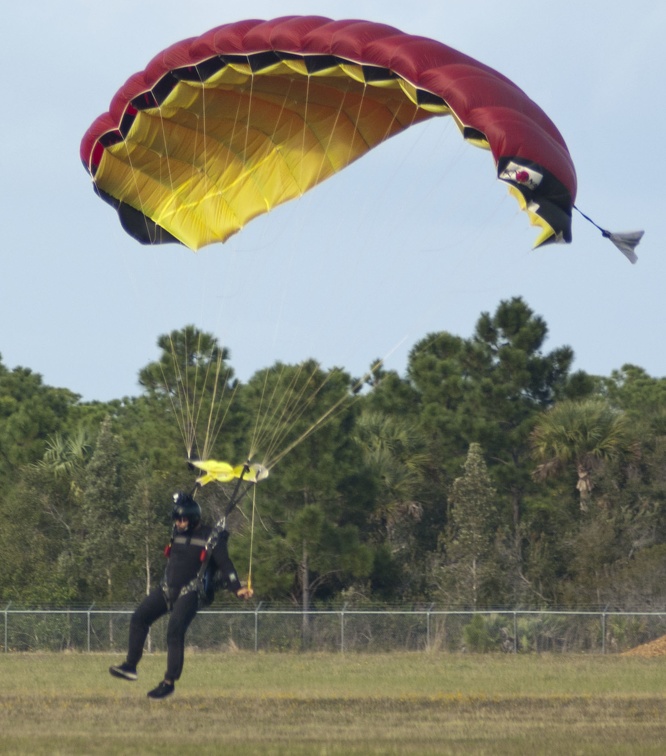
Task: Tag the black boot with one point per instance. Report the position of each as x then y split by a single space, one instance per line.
163 690
124 670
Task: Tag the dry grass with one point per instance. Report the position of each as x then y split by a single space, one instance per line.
333 704
649 650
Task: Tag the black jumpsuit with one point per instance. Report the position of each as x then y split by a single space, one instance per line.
184 556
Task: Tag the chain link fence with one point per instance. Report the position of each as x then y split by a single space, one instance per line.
342 630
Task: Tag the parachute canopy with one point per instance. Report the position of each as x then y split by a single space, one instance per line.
221 128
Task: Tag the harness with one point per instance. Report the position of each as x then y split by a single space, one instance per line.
177 537
203 583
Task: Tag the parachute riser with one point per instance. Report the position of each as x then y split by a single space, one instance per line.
220 526
237 495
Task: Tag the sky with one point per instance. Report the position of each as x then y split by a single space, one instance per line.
417 237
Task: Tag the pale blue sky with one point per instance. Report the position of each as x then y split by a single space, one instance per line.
416 237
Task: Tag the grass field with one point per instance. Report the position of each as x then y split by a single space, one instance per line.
416 703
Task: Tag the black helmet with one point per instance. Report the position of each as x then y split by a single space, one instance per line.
185 506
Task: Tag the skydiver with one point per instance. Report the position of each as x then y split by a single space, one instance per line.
181 593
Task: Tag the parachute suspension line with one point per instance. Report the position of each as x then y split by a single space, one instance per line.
199 136
286 412
228 153
264 416
356 123
276 413
200 392
254 509
204 131
214 409
292 415
331 134
191 390
304 132
191 395
283 105
343 99
290 410
248 122
258 424
394 119
237 494
413 111
176 398
133 172
215 422
326 416
167 158
178 393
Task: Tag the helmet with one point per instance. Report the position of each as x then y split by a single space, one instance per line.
185 506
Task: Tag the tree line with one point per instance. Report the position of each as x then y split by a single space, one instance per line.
489 475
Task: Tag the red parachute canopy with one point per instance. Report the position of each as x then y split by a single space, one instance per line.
223 127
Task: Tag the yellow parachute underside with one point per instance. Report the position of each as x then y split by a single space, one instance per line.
218 153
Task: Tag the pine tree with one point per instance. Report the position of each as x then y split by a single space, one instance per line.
104 517
469 542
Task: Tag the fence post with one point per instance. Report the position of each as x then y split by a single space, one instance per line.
89 630
342 629
6 624
515 632
256 627
428 626
603 632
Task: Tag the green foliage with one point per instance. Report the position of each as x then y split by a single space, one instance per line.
393 451
488 633
29 413
312 545
419 487
103 517
466 572
582 435
36 540
489 390
473 519
636 392
147 526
